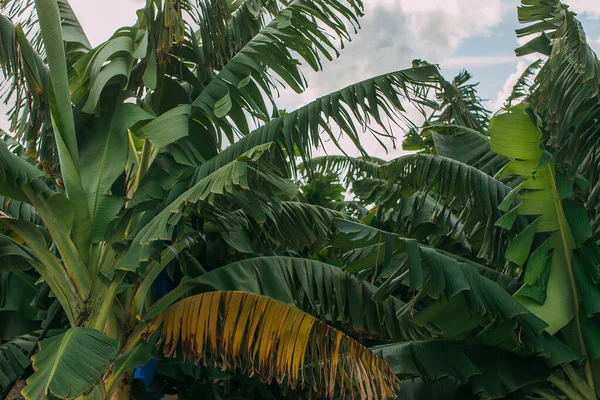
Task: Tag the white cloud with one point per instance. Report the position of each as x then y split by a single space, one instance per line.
594 44
441 25
483 61
100 19
512 79
393 33
589 7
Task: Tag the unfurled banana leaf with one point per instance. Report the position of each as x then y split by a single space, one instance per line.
296 131
458 104
15 172
293 31
566 97
467 146
14 256
456 295
224 32
105 155
526 84
58 366
63 121
491 373
228 180
561 262
21 63
300 130
292 226
17 292
320 289
472 194
14 356
351 168
418 216
19 210
417 389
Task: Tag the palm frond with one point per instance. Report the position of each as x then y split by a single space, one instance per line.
292 226
275 341
567 94
320 289
349 167
525 84
448 281
300 130
492 373
234 177
472 194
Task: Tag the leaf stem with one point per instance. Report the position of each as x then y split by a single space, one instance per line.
154 269
564 386
144 163
147 150
564 234
99 318
72 260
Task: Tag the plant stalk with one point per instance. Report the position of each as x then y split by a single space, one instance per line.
154 269
564 229
72 260
101 315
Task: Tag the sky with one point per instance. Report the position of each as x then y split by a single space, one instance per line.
477 35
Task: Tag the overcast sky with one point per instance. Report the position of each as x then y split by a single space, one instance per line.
474 34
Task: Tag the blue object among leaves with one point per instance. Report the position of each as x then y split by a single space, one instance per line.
162 285
146 372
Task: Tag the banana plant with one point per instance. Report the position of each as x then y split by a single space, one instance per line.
530 214
530 217
134 162
135 159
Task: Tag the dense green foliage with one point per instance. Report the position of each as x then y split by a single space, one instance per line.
139 212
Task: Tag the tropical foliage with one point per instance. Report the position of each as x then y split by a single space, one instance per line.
153 241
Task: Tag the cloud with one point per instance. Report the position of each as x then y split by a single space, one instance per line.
594 44
483 61
441 25
393 33
512 79
591 8
100 19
